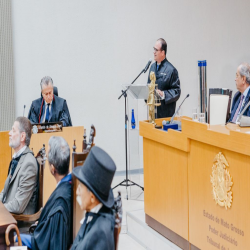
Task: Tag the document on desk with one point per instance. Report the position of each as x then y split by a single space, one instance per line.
19 248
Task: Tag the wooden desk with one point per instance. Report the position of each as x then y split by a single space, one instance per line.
5 220
178 189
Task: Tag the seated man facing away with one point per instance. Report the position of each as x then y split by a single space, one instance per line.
49 107
19 195
95 196
242 97
53 229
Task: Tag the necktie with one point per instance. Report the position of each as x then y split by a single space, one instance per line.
12 168
82 230
47 113
157 66
238 109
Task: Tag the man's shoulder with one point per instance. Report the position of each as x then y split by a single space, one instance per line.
169 65
63 191
105 220
237 94
29 154
29 158
37 101
60 199
153 65
59 99
103 229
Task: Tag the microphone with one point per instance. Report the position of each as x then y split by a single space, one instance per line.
147 66
178 109
24 109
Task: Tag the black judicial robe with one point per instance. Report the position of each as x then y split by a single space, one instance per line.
168 81
59 111
53 229
98 234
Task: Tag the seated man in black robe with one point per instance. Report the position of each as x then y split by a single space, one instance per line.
49 107
95 196
53 229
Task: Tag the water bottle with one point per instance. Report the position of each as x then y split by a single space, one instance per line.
133 120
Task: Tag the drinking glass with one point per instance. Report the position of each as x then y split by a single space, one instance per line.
194 114
202 117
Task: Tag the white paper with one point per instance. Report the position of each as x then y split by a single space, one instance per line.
19 248
218 109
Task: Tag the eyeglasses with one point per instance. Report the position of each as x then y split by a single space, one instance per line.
156 50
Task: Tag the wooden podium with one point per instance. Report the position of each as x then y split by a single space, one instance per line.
37 140
180 184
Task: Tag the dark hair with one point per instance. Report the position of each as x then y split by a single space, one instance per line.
164 45
26 127
59 154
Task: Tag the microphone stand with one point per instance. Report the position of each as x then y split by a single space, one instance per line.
127 182
172 119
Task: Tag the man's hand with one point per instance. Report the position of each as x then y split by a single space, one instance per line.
161 93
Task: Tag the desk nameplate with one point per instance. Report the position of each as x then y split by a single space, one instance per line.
49 127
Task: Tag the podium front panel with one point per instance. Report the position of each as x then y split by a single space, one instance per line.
197 184
212 225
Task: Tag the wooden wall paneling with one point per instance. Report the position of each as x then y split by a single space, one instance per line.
5 157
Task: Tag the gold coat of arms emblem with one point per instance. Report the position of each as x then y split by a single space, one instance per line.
221 182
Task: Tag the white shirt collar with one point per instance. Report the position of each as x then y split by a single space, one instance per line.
95 210
47 103
246 91
20 151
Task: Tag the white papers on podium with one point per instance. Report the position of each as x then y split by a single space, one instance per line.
138 91
218 109
19 248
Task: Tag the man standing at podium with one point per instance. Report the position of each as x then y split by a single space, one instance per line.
242 97
49 107
167 79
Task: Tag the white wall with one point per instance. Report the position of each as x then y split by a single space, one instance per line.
91 48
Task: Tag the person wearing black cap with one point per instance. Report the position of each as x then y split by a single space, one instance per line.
95 196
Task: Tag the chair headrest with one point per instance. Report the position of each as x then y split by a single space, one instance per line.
55 90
